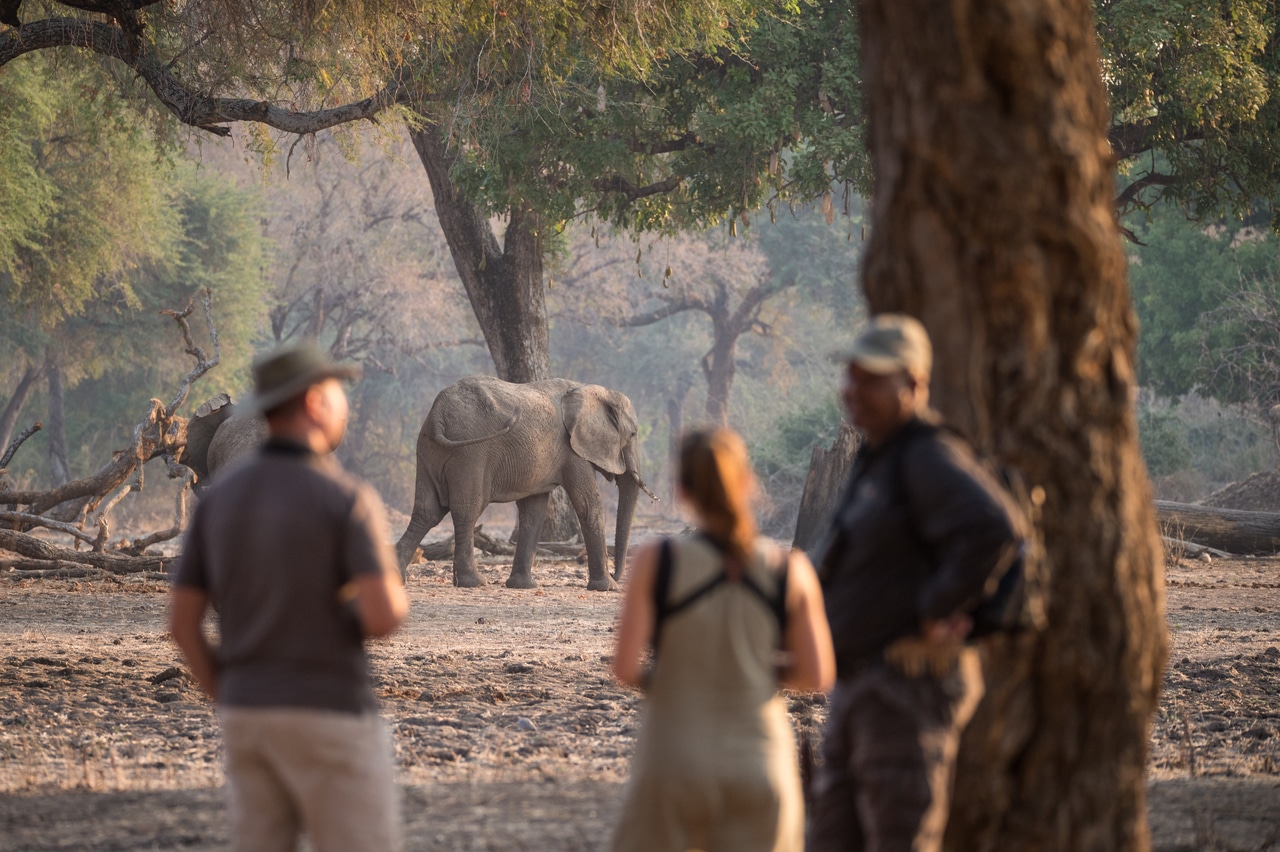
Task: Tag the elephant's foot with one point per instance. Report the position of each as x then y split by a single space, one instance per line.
467 579
602 584
521 581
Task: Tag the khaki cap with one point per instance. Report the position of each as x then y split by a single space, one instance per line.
889 343
282 374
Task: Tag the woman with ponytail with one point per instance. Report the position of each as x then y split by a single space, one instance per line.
729 618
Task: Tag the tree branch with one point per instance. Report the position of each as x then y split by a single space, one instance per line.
18 442
1129 195
621 185
670 309
680 143
205 112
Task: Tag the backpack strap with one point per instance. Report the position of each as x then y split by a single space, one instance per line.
664 608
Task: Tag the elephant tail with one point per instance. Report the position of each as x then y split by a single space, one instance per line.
438 436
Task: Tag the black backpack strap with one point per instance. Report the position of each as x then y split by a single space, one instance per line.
663 608
777 600
661 590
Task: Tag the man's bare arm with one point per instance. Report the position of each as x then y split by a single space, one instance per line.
187 607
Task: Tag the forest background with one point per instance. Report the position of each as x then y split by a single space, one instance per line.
335 235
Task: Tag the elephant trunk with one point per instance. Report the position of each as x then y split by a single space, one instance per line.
628 492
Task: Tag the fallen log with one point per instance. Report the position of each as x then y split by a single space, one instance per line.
40 554
1231 530
1178 549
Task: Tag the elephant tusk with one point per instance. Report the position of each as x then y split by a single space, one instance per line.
644 487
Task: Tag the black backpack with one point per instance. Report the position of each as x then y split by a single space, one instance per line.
664 608
1014 602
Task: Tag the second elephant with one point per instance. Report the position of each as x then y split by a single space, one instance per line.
218 436
489 441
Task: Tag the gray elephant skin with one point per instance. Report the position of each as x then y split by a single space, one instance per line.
489 441
218 436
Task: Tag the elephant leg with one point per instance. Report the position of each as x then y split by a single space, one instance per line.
532 513
464 551
427 512
584 494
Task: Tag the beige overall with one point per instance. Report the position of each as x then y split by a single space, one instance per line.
715 767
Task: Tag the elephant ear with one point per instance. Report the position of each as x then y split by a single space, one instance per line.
593 422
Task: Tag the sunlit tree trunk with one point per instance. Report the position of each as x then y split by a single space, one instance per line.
993 221
503 281
504 285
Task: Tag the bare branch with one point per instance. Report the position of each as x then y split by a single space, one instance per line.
670 309
18 442
203 363
29 520
202 111
188 477
35 549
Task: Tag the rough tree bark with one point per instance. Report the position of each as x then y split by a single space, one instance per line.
993 221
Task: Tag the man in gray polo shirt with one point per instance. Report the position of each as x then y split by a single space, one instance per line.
291 553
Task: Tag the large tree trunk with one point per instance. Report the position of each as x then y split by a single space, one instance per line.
993 222
503 284
720 366
13 409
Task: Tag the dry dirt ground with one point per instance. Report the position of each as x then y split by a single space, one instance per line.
509 732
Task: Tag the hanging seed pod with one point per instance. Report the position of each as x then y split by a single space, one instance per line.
639 252
773 215
551 280
773 162
864 233
733 227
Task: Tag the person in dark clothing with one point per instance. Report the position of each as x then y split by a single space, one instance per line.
919 530
293 555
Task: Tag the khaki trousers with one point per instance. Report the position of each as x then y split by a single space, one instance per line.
293 769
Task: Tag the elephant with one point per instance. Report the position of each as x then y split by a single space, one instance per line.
218 436
489 441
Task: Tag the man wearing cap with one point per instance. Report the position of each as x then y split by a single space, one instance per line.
918 530
291 552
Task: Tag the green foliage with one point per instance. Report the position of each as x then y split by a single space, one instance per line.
90 187
119 352
1194 82
1180 278
703 138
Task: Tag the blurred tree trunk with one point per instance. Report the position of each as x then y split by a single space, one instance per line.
59 463
13 409
504 285
994 223
828 470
